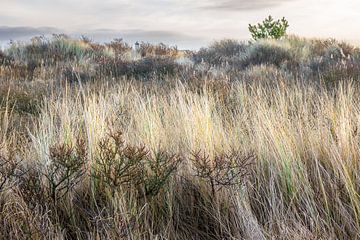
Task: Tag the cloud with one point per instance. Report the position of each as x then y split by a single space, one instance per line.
242 5
20 33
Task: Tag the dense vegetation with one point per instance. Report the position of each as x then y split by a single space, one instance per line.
238 140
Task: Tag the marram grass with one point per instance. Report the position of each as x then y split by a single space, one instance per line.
303 184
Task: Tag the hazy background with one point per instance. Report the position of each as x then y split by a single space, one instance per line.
186 23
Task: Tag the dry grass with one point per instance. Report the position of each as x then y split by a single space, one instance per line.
271 157
304 179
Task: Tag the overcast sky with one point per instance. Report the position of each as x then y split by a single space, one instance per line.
186 23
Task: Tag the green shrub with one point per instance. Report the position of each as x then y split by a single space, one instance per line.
269 28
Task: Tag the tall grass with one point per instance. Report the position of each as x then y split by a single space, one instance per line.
303 183
269 156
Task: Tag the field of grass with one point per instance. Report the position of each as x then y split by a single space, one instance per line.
238 141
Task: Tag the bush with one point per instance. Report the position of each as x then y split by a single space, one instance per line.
9 171
65 169
74 75
336 73
143 69
119 47
269 28
118 164
122 165
2 57
63 48
223 170
220 52
41 50
155 66
151 50
334 62
159 170
266 53
22 99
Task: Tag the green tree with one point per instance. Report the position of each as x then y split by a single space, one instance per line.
269 28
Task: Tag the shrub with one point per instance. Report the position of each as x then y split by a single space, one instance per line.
9 171
160 169
155 66
143 69
63 48
334 62
220 52
118 164
222 170
106 66
65 169
122 165
266 53
44 51
74 75
269 28
2 57
31 187
119 47
151 50
338 72
22 99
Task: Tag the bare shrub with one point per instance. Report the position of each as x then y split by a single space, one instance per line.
151 50
222 170
65 169
118 164
119 47
31 187
160 169
9 171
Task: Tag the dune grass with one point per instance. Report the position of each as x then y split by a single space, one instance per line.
301 183
268 157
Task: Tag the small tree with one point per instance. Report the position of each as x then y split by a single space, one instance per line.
269 28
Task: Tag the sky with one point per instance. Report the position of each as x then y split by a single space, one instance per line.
186 23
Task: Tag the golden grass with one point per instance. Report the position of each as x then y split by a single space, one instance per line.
306 177
302 136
